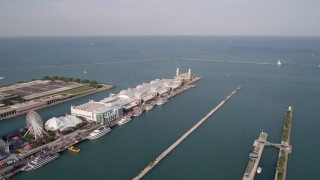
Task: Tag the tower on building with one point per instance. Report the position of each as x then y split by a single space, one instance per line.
189 74
177 72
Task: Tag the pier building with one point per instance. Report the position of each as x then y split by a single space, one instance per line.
115 105
97 111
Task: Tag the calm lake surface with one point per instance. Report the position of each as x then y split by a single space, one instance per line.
219 149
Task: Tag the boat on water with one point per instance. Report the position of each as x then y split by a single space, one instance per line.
74 149
84 72
149 107
259 170
161 101
1 77
137 113
101 131
40 161
124 120
279 63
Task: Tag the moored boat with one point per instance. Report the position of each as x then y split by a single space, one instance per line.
137 113
124 120
40 161
161 101
259 170
102 130
149 107
74 149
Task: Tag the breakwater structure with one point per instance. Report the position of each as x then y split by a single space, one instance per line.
183 137
285 150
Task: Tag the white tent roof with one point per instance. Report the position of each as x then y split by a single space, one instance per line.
62 123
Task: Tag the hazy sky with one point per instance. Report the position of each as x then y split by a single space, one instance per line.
159 17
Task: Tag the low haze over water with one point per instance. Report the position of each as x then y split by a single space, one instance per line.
219 149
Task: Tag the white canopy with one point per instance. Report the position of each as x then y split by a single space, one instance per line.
62 123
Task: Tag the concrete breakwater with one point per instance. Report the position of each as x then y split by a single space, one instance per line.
183 137
285 149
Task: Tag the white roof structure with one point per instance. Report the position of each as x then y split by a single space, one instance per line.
62 123
127 99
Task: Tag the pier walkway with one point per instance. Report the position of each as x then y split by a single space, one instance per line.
255 156
183 137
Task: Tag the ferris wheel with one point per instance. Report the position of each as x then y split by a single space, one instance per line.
34 124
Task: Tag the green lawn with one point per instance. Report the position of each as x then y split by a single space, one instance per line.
77 90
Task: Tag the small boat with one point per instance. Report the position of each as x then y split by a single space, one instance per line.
102 130
91 44
84 72
1 77
40 161
162 101
74 149
259 170
279 63
149 107
124 120
319 66
137 113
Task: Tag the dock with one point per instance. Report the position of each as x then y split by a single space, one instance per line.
284 146
183 137
255 156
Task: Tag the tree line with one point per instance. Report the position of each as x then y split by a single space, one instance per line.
92 83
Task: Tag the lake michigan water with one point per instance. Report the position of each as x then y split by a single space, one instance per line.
219 149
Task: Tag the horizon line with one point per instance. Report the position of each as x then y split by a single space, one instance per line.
141 35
